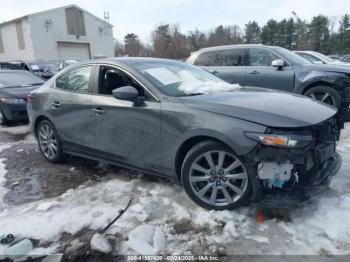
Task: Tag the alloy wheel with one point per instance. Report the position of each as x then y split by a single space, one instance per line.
324 97
47 141
218 178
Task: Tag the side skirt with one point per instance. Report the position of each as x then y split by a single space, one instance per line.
112 160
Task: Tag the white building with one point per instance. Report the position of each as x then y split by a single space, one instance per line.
64 33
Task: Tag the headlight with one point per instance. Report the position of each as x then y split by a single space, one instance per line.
280 140
12 101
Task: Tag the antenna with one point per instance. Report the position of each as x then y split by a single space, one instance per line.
106 22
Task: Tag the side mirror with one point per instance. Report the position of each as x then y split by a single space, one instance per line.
278 63
129 93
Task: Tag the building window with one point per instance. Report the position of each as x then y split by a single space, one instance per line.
75 21
2 49
20 35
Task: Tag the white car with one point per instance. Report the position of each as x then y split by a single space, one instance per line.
318 58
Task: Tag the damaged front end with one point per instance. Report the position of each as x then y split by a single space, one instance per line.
290 165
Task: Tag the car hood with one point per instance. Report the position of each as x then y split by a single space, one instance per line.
17 92
337 68
264 106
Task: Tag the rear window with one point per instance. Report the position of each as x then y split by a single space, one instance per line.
22 78
210 58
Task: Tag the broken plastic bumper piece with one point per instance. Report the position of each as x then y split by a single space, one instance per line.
302 192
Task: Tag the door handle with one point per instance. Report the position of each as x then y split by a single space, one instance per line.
56 104
214 72
98 111
254 72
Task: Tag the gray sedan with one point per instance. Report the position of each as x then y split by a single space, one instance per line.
227 144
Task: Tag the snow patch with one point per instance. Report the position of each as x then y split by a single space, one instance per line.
257 238
99 243
147 240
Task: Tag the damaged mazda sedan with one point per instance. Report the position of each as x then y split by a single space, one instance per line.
227 144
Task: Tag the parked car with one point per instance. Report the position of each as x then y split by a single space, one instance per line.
345 59
335 57
278 68
15 85
318 58
153 115
44 69
7 65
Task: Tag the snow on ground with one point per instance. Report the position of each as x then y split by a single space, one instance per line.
320 226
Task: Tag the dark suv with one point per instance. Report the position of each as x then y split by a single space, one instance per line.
278 68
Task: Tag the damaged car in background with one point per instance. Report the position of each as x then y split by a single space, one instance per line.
227 144
278 68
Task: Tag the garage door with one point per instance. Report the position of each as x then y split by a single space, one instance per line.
76 51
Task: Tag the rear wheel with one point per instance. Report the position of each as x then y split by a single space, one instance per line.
325 94
49 143
214 177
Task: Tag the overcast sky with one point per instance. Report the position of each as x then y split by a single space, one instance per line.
141 16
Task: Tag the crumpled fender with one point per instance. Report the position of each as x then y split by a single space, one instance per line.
304 79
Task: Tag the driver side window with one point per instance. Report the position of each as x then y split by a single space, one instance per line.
261 57
111 78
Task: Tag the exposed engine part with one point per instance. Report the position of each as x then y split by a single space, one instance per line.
275 174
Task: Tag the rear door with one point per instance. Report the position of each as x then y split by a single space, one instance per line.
228 64
125 131
260 73
69 105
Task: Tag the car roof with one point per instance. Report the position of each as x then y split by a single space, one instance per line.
221 47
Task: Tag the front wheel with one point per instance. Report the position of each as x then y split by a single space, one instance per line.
214 177
49 143
325 94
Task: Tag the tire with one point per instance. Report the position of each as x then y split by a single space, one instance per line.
49 143
325 94
214 186
3 120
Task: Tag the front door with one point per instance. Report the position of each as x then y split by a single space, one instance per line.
125 131
260 73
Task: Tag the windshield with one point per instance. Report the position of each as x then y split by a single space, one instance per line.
16 78
179 79
41 66
289 55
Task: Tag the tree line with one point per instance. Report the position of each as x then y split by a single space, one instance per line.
327 35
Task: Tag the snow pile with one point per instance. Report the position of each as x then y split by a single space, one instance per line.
99 243
147 240
85 207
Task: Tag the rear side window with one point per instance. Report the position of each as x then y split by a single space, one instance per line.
76 80
211 58
233 57
261 57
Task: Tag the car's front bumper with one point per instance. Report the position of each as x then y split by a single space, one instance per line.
301 193
313 167
15 112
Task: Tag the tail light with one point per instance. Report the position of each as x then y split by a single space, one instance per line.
29 98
